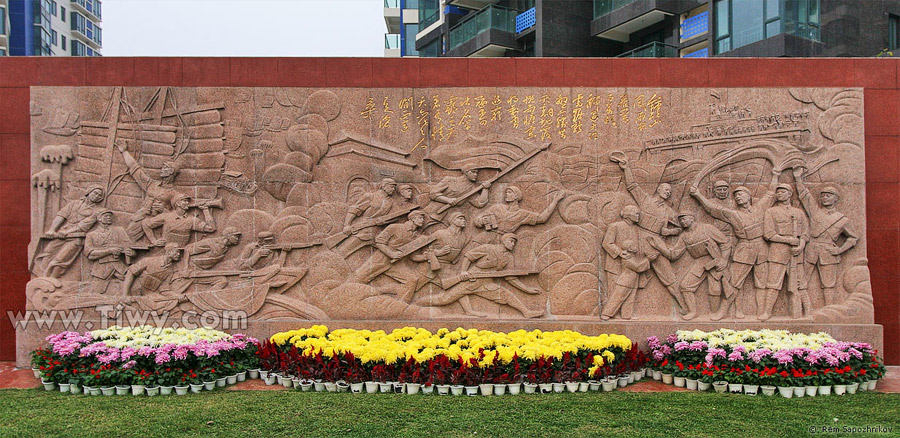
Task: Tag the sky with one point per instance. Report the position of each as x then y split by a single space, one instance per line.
243 28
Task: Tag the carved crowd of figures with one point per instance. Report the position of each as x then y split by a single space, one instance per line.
416 239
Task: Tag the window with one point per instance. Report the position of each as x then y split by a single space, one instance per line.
63 41
62 14
409 39
742 22
54 37
78 48
2 52
431 50
53 8
429 12
2 21
893 31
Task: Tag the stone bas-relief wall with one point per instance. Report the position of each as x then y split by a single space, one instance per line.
463 204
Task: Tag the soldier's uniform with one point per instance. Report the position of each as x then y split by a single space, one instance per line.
177 228
825 230
393 236
656 215
105 268
787 221
705 244
80 216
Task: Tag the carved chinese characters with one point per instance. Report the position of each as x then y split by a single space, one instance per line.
397 204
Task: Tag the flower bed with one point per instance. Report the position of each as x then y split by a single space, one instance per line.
144 358
794 364
413 359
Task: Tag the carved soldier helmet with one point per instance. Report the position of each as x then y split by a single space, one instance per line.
265 235
172 245
785 187
509 236
104 211
176 198
517 191
415 213
741 189
686 213
720 183
231 231
386 182
453 216
629 210
830 189
93 187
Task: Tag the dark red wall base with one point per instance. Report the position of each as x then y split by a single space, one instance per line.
877 76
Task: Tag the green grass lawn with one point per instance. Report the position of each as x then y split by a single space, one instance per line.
35 412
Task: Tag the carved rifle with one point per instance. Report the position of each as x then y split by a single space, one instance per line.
411 247
502 173
293 246
450 282
336 238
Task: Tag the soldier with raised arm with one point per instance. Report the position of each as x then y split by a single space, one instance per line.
178 226
710 250
830 237
659 220
787 231
387 259
508 216
67 231
750 250
450 191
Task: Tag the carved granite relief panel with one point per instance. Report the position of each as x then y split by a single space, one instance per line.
418 204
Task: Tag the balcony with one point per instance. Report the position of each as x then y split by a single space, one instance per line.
391 45
526 20
617 19
91 8
392 16
488 32
695 26
652 50
471 4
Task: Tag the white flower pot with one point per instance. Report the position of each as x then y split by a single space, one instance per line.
786 391
667 378
86 390
356 388
371 387
623 381
638 375
703 386
220 382
558 387
253 374
472 390
196 388
572 386
285 381
720 386
306 385
593 385
852 388
181 390
767 390
499 389
608 385
863 386
209 386
382 386
751 390
486 388
123 389
657 375
108 390
37 372
427 389
166 390
48 386
735 388
680 382
342 386
631 378
263 374
545 388
152 391
824 390
840 389
443 389
95 391
231 380
63 387
872 384
529 388
399 388
811 390
241 376
270 379
691 384
583 386
137 389
413 388
457 389
75 389
799 391
295 382
330 387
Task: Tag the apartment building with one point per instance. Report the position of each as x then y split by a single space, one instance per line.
655 28
53 28
402 20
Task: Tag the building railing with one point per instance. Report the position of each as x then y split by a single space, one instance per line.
392 3
652 50
696 25
489 17
392 41
429 12
526 20
603 7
